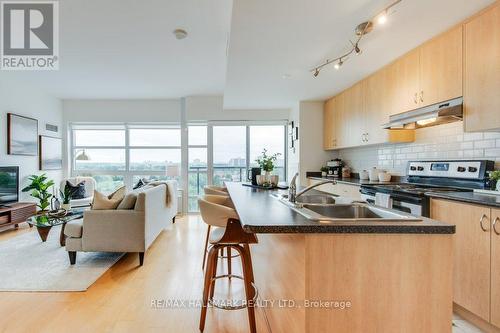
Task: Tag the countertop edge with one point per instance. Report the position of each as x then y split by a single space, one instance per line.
467 197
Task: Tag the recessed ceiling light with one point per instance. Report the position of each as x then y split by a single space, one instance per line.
180 33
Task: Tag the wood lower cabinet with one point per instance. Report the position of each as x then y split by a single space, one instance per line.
476 275
495 268
482 71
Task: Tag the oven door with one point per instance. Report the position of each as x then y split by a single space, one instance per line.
402 206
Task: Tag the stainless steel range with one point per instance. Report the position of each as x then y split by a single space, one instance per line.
429 176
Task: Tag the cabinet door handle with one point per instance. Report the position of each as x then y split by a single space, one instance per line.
415 98
422 96
495 226
367 137
481 222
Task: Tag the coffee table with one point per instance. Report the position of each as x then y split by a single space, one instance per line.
44 223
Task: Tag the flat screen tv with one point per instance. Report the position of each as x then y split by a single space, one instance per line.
9 185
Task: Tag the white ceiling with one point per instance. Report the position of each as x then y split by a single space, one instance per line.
271 38
117 49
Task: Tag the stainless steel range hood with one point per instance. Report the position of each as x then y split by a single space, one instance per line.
432 115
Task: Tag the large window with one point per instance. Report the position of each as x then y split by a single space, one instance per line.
122 154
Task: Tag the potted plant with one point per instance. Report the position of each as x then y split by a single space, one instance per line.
39 188
495 178
266 163
324 171
65 198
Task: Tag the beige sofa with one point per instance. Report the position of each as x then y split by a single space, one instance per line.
132 230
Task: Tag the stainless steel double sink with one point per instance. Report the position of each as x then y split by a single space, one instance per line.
327 208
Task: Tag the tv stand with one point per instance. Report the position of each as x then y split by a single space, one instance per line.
16 213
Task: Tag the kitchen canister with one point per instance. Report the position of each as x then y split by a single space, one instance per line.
363 175
373 174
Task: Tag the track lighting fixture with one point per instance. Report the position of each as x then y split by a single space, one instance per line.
361 30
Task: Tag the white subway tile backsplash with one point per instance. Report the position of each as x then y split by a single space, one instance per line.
473 136
484 144
440 142
492 152
491 135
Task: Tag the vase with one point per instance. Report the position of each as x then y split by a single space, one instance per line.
274 180
323 174
498 185
66 207
267 177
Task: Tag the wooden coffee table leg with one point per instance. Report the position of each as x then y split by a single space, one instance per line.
43 232
62 236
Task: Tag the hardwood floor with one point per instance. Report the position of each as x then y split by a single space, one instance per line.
121 300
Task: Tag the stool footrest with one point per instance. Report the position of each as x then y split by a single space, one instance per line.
234 307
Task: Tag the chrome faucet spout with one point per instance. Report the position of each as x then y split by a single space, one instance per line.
292 190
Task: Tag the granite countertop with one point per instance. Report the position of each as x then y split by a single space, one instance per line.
259 212
469 197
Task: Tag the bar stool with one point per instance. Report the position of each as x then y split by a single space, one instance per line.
232 236
216 190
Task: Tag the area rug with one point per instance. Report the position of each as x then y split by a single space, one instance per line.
28 264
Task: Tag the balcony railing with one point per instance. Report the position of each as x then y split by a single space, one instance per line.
198 179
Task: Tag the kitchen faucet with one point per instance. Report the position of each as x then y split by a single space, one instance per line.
292 188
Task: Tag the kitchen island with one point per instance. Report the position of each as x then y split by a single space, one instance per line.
347 276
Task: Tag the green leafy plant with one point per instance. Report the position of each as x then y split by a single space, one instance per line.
495 175
324 169
39 188
65 195
266 162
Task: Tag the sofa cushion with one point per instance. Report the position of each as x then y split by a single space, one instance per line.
128 201
74 228
105 202
76 191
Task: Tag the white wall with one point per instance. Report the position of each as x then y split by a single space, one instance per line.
133 110
439 142
309 154
20 98
203 108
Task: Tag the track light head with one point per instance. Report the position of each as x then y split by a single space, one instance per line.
316 72
382 17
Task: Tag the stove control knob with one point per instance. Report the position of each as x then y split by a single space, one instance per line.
420 168
472 169
461 169
412 168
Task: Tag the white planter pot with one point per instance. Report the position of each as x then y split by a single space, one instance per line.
66 206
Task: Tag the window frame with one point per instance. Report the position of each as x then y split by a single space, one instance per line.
127 173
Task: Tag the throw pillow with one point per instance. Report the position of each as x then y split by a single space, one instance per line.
76 191
103 202
128 202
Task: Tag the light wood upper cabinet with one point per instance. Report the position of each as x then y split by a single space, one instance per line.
441 68
353 116
482 71
471 263
495 268
329 123
377 107
404 75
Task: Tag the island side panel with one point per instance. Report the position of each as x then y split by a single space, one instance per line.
279 261
395 282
